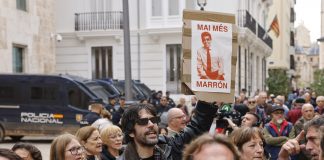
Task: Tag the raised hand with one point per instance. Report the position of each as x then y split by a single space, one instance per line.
292 147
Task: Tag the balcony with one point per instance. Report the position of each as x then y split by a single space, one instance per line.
112 20
267 40
246 20
264 36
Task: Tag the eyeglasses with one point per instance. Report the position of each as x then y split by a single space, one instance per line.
180 117
251 102
144 121
76 150
279 112
119 135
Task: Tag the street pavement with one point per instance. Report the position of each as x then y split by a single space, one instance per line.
42 143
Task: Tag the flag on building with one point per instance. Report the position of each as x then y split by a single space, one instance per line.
275 26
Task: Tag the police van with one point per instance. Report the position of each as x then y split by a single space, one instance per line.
37 105
139 90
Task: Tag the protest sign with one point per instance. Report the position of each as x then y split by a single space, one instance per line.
209 55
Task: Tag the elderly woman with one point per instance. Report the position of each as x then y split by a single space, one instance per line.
66 147
112 138
249 141
90 138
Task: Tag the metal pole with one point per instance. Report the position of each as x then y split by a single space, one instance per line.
127 56
138 41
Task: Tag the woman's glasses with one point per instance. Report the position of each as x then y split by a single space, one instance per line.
76 150
144 121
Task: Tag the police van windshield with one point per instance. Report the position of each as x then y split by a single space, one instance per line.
112 89
99 91
147 91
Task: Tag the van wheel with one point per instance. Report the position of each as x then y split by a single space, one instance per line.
16 138
2 135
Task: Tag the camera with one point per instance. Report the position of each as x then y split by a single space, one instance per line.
226 111
59 38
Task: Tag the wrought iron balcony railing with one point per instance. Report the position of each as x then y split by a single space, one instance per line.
264 36
112 20
245 19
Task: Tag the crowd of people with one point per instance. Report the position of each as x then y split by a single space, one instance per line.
161 129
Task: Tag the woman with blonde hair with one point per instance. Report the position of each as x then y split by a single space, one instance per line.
249 141
112 138
66 147
90 139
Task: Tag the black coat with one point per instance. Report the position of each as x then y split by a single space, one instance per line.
171 147
117 116
92 117
105 154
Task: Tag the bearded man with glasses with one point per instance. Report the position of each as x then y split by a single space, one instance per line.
140 125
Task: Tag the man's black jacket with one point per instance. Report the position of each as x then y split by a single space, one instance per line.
171 147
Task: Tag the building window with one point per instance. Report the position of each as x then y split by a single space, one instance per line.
292 15
298 59
102 62
292 38
251 69
173 7
173 67
257 72
311 59
292 62
239 67
245 68
156 7
264 73
18 59
21 5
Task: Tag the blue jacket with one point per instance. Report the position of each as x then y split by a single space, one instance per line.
285 129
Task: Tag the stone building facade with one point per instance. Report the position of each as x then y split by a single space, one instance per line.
26 44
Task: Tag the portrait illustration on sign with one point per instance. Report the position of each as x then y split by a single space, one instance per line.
209 65
211 56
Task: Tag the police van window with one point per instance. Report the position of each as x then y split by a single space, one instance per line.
77 98
7 94
43 93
